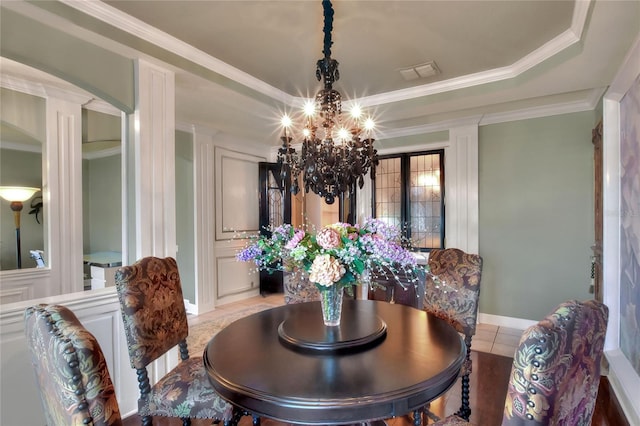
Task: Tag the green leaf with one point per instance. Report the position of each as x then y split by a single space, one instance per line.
358 265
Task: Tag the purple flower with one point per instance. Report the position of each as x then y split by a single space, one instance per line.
250 253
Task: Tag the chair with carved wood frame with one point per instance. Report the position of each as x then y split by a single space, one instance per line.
155 321
556 369
71 371
452 294
298 288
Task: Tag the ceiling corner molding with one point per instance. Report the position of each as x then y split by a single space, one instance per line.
196 129
559 43
429 128
18 146
68 95
627 73
43 90
580 13
589 103
21 85
98 105
140 29
102 153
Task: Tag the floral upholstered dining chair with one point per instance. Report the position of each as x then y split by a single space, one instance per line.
556 369
71 371
155 320
454 297
298 288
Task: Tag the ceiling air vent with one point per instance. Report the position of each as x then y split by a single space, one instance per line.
415 72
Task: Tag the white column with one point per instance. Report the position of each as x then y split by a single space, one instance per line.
62 193
154 162
204 220
461 185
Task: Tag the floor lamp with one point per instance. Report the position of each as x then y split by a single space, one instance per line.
16 195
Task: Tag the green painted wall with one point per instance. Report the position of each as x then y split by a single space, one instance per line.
102 204
185 228
536 213
22 118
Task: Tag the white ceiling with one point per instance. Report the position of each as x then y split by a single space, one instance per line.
239 64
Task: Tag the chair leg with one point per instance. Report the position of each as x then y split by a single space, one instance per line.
186 421
147 421
429 414
465 408
417 417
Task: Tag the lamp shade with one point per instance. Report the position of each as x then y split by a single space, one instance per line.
17 193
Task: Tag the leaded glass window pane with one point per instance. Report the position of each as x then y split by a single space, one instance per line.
388 191
408 192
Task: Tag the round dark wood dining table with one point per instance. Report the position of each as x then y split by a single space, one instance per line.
384 360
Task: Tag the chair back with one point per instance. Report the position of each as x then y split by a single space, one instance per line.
556 368
152 306
298 288
455 297
404 290
71 371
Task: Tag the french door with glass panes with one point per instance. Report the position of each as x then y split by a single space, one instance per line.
409 192
275 210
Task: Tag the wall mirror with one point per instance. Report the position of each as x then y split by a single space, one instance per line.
23 160
101 197
22 136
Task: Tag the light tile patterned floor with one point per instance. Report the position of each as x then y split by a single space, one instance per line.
496 340
488 338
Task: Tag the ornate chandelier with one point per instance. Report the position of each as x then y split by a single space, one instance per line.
335 153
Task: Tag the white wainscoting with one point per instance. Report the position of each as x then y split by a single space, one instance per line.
25 284
99 311
234 277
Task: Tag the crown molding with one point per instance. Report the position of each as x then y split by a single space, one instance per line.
98 105
136 27
587 104
627 73
15 146
548 50
44 90
102 153
21 85
429 128
131 25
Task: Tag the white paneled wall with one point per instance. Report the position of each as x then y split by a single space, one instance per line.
99 311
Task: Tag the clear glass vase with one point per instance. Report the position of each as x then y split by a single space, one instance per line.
331 301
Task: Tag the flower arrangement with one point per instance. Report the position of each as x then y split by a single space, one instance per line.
337 255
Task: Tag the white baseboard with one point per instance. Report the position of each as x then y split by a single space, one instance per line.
502 321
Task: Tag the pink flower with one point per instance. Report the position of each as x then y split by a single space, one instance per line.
328 238
326 270
295 240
